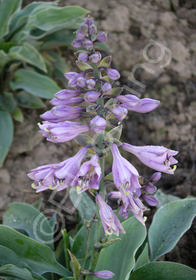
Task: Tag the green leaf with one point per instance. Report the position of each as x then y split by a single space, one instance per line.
170 222
83 203
28 100
119 257
7 8
58 39
143 258
21 17
105 62
7 102
18 115
6 134
3 59
164 271
164 198
32 221
83 66
40 258
29 54
52 19
10 270
114 134
34 83
75 266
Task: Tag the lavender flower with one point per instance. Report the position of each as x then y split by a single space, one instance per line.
57 176
106 88
62 131
133 103
67 101
90 83
89 175
101 37
104 274
110 222
156 157
75 79
98 124
95 57
62 113
83 57
113 74
92 96
120 112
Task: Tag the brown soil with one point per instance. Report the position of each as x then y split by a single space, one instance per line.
153 44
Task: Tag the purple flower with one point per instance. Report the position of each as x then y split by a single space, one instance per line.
76 79
83 57
106 88
113 74
81 82
88 44
110 222
95 57
101 37
120 112
104 274
156 157
126 180
91 96
98 124
90 83
57 176
80 34
67 101
62 113
133 103
89 175
62 131
77 43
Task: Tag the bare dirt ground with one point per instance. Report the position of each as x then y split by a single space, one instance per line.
153 44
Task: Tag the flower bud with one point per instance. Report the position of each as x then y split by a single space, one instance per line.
80 35
155 177
90 83
91 96
98 124
81 82
120 112
150 199
77 43
101 37
113 74
95 57
83 57
92 30
84 27
88 44
106 88
104 274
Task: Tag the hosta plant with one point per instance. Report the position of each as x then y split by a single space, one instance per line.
29 54
111 240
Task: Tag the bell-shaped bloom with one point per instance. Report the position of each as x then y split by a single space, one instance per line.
57 176
156 157
113 74
62 113
110 222
98 124
133 103
91 96
106 88
120 112
125 174
104 274
75 79
89 175
62 131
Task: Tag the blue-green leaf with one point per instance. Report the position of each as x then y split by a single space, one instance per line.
7 8
40 258
170 222
29 54
6 134
32 221
164 271
120 256
83 203
3 59
28 100
10 270
143 258
34 83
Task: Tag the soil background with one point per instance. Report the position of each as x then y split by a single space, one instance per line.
153 45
